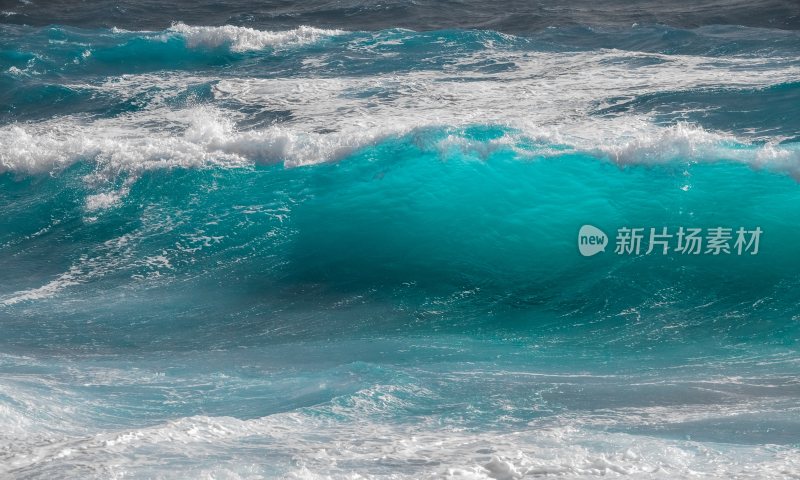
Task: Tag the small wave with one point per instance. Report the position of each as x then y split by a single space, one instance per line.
243 39
687 143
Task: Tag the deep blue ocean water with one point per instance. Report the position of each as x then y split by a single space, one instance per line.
340 239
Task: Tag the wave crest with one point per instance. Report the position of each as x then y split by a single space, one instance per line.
243 39
211 139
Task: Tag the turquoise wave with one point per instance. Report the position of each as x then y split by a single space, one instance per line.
461 238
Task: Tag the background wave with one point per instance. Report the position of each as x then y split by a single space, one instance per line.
511 16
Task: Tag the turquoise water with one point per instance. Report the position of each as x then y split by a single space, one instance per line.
307 253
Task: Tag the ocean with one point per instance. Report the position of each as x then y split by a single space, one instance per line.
399 239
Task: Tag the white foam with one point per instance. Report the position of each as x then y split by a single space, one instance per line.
365 434
547 99
296 445
51 146
242 39
62 281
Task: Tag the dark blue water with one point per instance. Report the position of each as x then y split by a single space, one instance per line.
513 16
341 239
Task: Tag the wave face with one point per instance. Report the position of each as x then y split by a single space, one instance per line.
245 247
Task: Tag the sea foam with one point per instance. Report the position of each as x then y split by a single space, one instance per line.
243 39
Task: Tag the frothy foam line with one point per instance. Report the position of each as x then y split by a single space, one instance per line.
692 144
211 140
53 146
243 39
113 254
